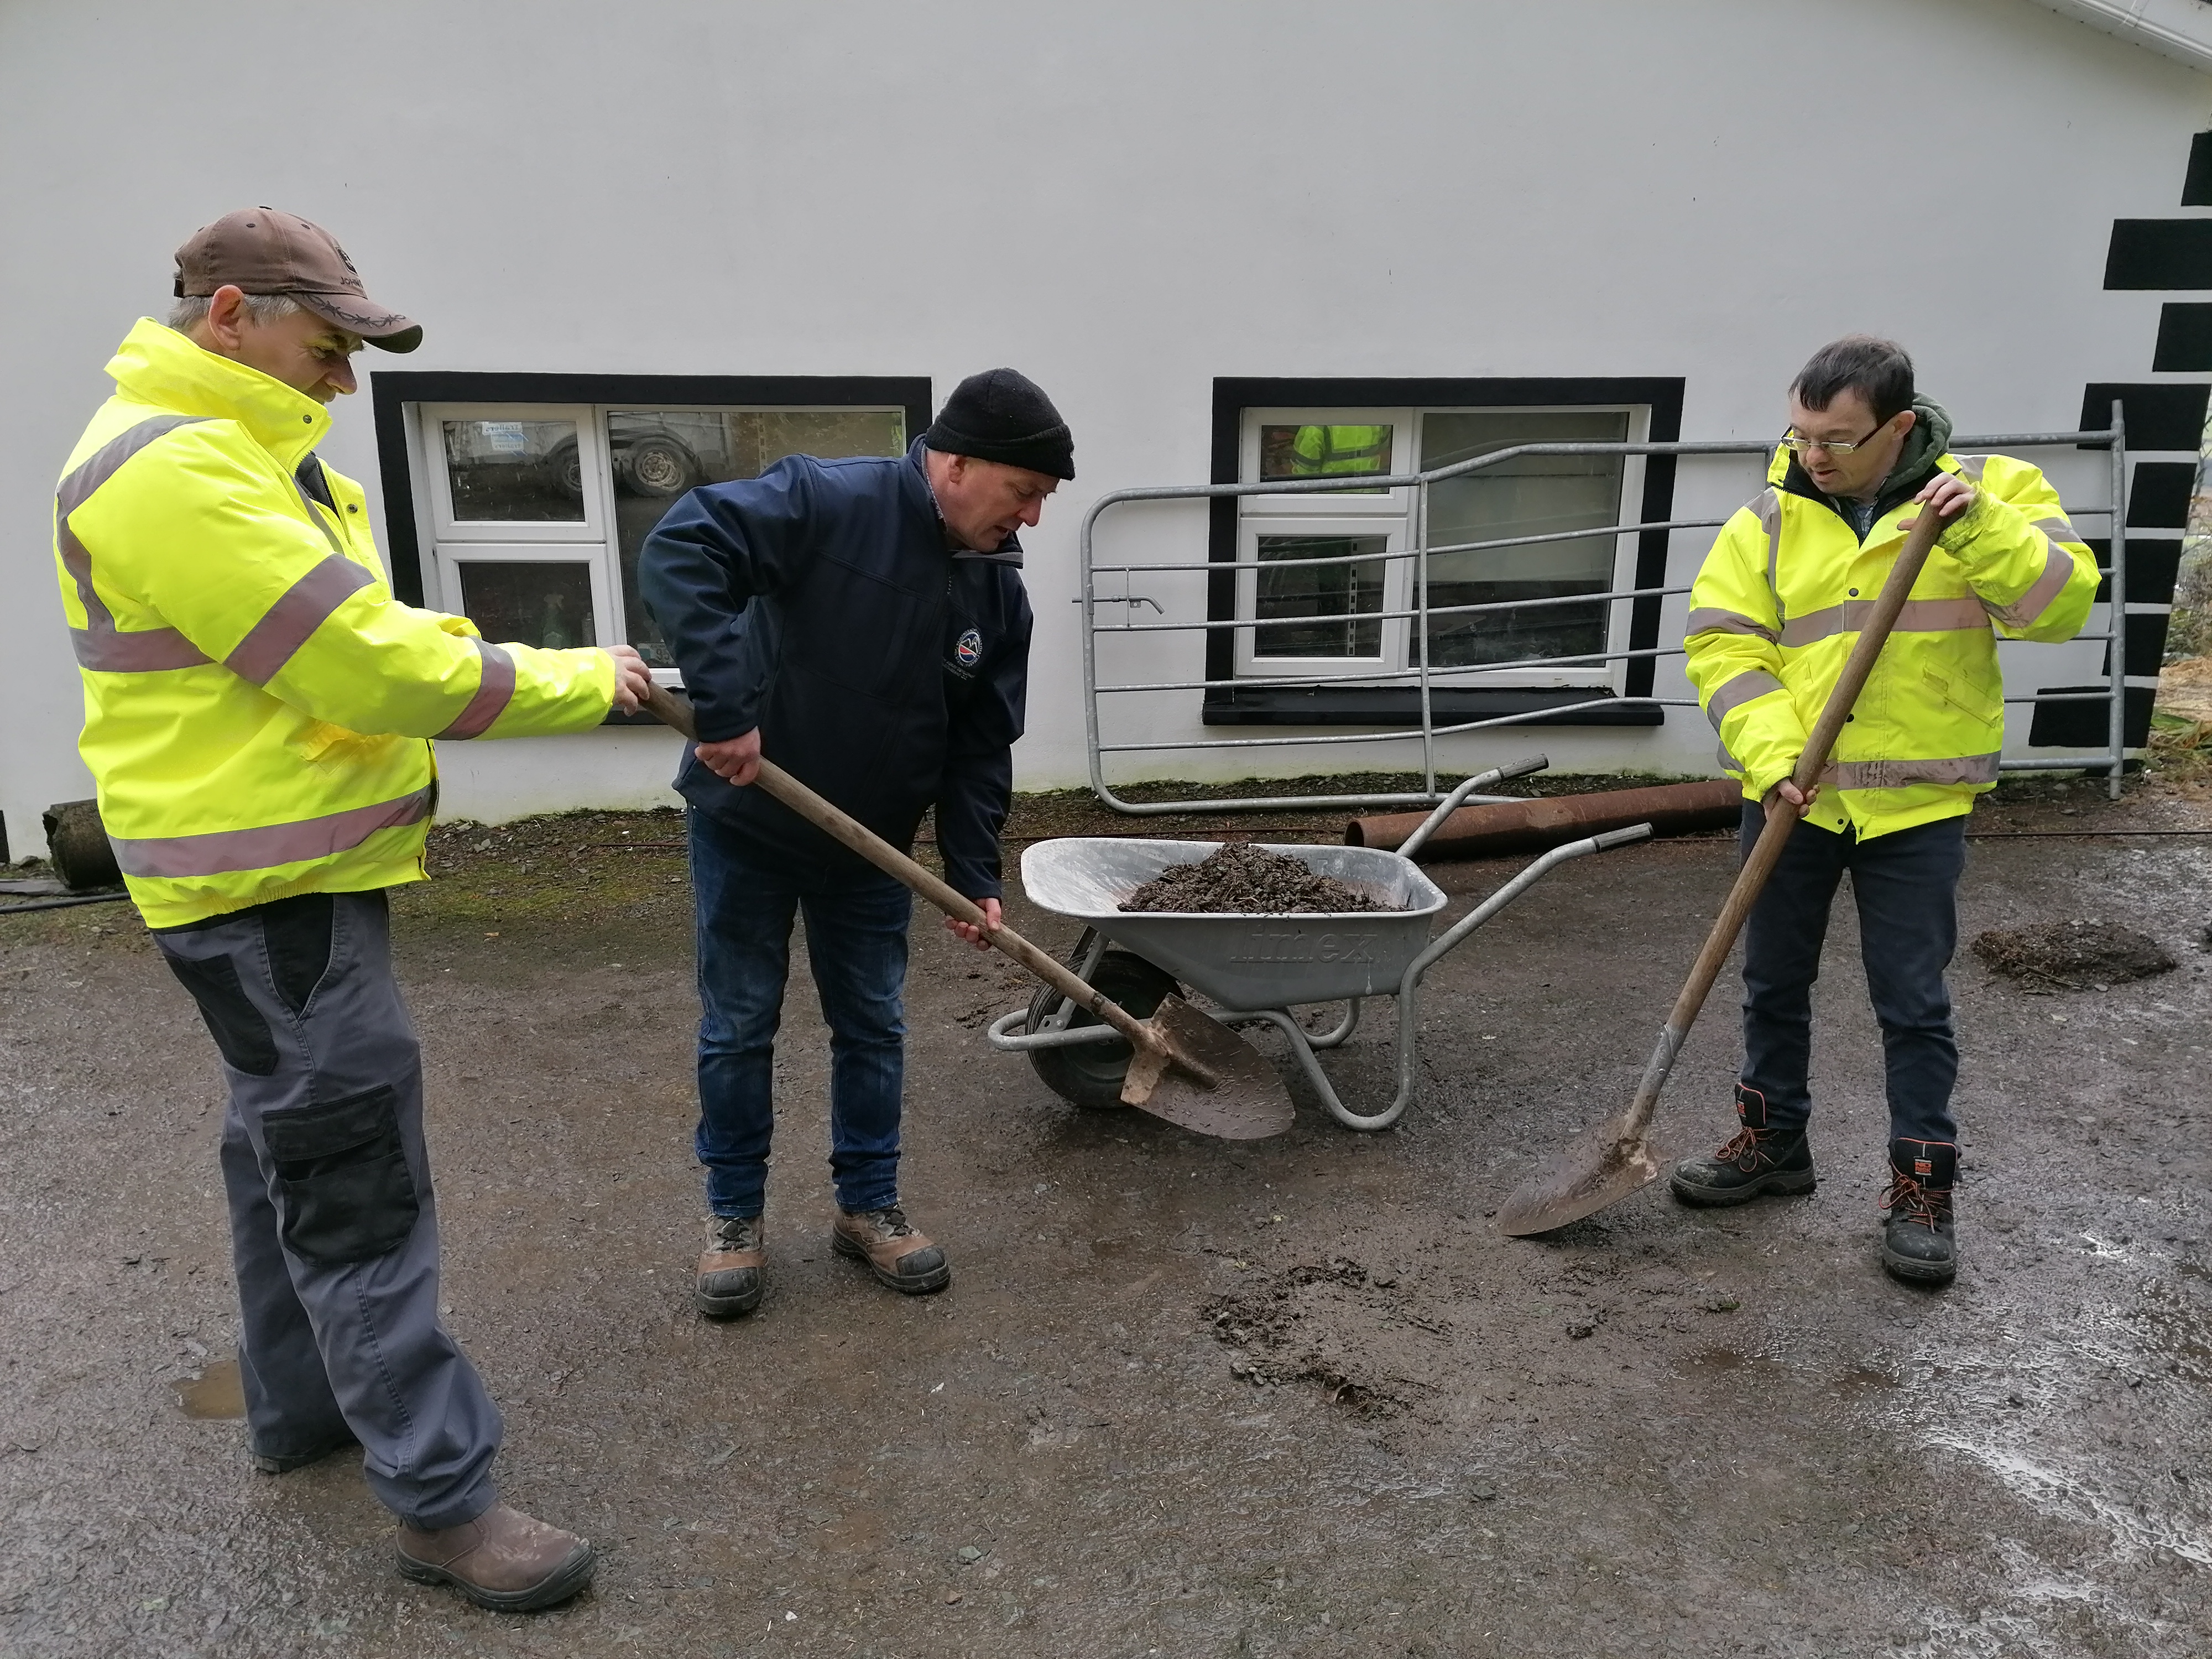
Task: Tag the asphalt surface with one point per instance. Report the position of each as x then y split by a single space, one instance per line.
1184 1397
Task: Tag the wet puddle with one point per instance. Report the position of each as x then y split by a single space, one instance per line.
215 1391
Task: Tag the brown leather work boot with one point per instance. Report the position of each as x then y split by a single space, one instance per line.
896 1251
502 1560
733 1269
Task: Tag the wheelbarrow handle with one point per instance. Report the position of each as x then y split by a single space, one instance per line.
841 826
1451 803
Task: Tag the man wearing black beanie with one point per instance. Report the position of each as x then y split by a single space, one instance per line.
862 623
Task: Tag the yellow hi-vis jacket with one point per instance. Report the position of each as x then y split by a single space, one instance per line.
1320 452
258 706
1777 607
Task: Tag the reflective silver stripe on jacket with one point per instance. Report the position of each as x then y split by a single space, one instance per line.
1732 693
98 644
1728 763
1900 774
2059 530
1710 620
1970 466
309 502
1918 617
288 624
220 852
142 650
1769 509
2057 571
494 690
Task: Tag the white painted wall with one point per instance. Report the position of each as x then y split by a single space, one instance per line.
1124 200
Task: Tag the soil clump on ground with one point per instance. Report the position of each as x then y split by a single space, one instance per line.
1242 879
2073 956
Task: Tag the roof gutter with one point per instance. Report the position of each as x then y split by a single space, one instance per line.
2180 29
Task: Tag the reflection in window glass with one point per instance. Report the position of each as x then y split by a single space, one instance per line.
1533 495
1323 451
515 472
657 454
1290 587
532 602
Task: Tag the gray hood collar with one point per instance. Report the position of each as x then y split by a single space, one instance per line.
1930 437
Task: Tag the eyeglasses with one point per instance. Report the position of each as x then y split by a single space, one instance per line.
1799 444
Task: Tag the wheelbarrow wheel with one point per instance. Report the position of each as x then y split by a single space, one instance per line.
1089 1074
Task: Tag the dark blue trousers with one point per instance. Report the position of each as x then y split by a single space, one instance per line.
1906 886
856 937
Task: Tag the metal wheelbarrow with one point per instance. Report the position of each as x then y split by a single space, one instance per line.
1258 968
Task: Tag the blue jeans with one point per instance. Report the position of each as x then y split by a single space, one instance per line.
856 931
1906 886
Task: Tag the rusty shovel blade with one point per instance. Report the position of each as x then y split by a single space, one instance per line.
1205 1078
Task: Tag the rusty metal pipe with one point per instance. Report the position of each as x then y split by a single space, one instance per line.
1535 826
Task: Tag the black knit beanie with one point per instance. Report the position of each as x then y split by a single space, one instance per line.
1002 415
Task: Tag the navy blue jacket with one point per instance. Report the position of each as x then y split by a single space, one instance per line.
820 603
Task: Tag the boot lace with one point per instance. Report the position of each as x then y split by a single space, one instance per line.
890 1223
1907 1200
1745 1143
738 1233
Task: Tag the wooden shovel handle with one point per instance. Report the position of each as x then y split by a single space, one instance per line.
672 710
1782 816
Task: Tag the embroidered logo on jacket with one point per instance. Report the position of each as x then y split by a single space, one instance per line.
969 651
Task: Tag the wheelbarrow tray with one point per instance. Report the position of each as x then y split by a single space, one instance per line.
1245 962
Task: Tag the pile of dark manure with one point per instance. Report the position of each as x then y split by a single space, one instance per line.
1242 879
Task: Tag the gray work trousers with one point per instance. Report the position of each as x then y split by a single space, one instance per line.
334 1231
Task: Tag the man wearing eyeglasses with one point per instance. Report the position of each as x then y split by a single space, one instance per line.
1774 612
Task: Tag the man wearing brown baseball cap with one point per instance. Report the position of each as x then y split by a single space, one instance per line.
263 252
258 713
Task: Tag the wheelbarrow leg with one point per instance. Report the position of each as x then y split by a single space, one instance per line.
1409 987
1336 1037
1303 1048
1084 959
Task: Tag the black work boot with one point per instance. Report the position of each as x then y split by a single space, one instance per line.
733 1269
1758 1161
1919 1241
897 1253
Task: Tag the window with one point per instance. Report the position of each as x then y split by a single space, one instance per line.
530 512
1324 604
540 511
1344 558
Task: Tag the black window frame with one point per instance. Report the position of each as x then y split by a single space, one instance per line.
392 389
1343 705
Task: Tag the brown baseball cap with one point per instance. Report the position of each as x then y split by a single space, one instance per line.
263 251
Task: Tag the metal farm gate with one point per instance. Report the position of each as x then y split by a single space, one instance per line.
1114 588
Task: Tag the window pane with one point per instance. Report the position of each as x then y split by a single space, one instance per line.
1324 451
660 453
546 602
1533 495
1290 587
515 472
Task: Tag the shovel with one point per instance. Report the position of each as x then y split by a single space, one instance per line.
1183 1067
1607 1163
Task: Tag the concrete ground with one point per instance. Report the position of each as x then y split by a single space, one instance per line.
1184 1397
